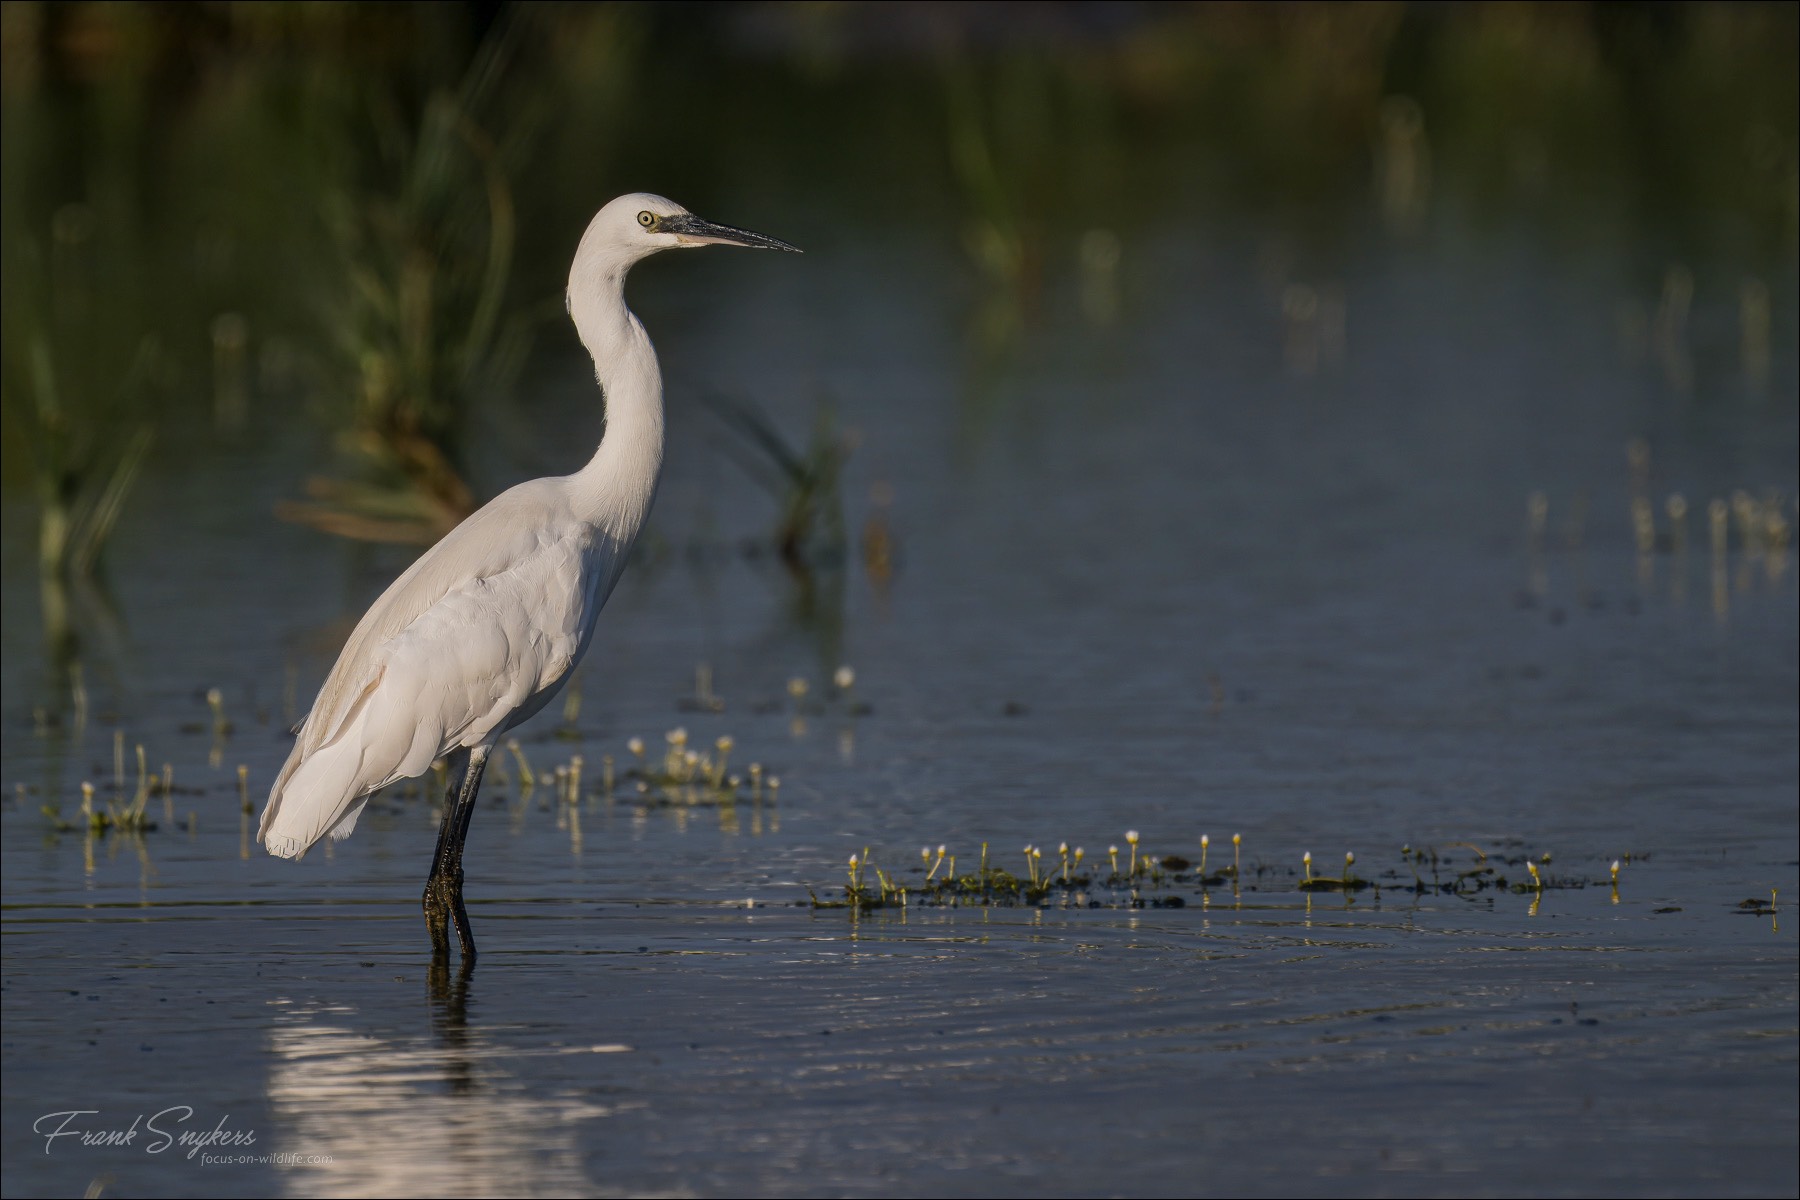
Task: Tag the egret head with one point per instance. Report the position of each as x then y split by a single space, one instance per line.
637 225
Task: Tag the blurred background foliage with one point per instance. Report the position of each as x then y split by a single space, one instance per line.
212 209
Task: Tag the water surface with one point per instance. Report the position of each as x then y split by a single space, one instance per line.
1190 569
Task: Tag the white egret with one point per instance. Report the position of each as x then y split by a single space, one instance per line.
483 630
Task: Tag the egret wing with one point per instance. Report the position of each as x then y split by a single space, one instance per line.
490 618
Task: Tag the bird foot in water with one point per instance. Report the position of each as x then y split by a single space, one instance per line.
443 903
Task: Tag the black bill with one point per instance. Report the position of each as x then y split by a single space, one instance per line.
692 231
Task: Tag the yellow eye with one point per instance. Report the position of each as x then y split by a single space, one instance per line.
647 219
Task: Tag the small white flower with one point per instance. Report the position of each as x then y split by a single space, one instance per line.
844 678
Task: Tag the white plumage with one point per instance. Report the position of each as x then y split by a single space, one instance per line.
483 630
472 640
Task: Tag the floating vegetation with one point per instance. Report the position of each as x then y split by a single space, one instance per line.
680 776
686 776
1347 882
803 700
1756 906
1039 882
115 816
119 814
1166 881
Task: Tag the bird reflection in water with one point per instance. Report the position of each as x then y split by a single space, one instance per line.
369 1110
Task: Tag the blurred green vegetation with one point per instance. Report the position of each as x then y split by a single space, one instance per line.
213 210
420 229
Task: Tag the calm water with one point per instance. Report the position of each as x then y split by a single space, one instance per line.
1164 574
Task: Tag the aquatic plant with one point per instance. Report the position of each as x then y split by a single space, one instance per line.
423 242
1159 882
681 777
571 709
526 779
128 817
704 698
716 770
1344 883
805 483
76 367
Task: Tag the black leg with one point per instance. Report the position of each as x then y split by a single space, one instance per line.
459 769
436 900
465 811
443 890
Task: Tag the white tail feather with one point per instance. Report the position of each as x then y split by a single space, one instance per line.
325 791
317 796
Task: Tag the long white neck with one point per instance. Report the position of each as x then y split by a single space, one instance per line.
615 488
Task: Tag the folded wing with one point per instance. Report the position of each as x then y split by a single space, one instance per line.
485 654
